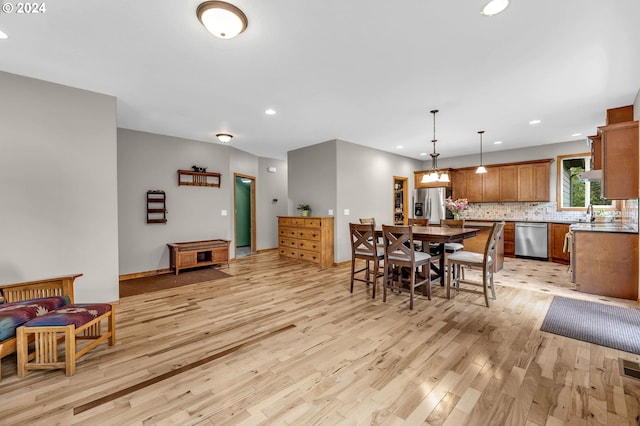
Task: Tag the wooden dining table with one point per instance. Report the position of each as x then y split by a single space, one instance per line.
438 236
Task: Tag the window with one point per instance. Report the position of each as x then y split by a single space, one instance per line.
573 194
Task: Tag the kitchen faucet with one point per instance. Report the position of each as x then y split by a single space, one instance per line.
590 215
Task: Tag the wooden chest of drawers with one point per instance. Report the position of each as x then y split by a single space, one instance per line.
306 238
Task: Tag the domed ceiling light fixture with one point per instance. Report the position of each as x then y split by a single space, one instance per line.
494 7
224 137
481 168
222 19
435 175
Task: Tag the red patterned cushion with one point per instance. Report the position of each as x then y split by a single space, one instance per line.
78 314
14 314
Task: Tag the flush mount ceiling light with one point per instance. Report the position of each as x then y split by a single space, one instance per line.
435 175
494 7
222 19
224 137
481 168
535 122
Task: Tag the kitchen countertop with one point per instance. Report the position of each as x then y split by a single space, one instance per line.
604 227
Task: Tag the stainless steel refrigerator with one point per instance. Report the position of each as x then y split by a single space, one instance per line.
428 203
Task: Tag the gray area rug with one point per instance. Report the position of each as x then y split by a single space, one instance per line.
604 325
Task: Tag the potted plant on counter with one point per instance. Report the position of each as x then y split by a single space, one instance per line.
305 208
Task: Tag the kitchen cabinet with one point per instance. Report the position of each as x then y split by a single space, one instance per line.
466 183
523 181
491 185
508 183
606 263
620 114
557 232
620 160
596 151
509 235
533 182
308 239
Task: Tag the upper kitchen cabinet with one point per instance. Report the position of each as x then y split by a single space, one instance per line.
619 115
620 160
508 183
596 151
491 185
417 176
533 181
525 181
467 184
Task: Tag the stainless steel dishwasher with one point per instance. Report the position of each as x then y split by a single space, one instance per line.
531 240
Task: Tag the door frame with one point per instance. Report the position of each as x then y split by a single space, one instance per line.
253 212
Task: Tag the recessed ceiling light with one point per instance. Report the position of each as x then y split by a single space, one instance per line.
576 134
494 7
399 147
3 35
423 153
222 19
224 137
497 142
535 122
270 111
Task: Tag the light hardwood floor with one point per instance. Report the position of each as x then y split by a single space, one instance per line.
284 343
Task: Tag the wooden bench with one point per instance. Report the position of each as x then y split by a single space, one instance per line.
16 292
67 324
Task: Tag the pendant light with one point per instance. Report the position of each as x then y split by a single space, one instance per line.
481 168
435 175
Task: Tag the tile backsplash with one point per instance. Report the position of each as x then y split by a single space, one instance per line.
544 212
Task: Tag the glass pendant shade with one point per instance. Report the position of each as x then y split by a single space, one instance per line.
481 169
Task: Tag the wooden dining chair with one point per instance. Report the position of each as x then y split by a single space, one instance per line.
399 254
484 261
418 222
364 246
452 247
368 220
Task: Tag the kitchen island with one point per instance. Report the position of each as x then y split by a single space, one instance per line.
605 259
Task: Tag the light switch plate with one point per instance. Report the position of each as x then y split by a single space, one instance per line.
223 213
330 212
347 212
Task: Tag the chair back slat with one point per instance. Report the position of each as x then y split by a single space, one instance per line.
368 220
398 243
363 241
418 222
492 242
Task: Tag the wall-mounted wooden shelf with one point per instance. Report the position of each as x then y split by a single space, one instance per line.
156 207
189 178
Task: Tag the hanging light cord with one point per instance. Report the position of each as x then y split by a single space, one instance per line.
481 132
434 156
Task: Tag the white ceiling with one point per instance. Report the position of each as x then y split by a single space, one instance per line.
364 71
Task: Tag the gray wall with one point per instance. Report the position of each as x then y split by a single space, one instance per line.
339 175
59 186
312 178
149 161
365 188
269 187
